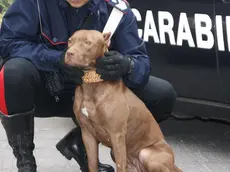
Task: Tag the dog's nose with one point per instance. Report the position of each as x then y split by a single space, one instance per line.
70 53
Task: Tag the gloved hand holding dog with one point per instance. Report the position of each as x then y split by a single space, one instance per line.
69 74
113 66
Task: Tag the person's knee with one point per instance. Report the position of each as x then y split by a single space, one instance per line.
160 93
16 76
167 94
168 97
19 70
159 96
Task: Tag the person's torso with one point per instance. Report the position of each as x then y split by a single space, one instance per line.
58 21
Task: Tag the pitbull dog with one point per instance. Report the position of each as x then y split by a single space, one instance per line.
108 112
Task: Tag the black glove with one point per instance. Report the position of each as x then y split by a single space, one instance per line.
113 66
69 74
56 81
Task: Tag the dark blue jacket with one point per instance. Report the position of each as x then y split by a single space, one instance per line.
39 33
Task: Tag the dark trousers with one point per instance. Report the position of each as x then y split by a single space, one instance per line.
22 88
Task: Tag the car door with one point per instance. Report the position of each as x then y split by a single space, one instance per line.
179 35
222 14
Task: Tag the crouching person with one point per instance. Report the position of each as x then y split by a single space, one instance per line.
31 61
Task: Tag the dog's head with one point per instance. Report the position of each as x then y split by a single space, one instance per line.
85 46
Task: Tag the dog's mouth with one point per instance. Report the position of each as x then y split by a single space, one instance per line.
86 68
83 67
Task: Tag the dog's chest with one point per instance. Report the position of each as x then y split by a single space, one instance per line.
88 110
85 111
93 120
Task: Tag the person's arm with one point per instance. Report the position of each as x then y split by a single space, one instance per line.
127 42
18 36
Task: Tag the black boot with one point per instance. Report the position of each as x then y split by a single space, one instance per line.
20 134
71 146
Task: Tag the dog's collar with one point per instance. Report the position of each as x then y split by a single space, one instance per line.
91 76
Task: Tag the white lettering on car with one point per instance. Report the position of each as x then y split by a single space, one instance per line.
201 30
228 30
166 28
150 28
204 36
219 32
184 32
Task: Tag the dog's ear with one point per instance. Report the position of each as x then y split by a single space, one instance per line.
107 38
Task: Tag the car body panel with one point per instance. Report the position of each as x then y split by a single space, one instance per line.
196 66
222 9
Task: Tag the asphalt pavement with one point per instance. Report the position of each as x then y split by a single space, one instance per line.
198 146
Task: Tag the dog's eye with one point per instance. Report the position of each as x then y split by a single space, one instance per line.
88 42
69 41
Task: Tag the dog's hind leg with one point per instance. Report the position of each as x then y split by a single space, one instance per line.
158 158
91 146
153 162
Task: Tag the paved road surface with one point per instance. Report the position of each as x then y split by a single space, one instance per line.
199 146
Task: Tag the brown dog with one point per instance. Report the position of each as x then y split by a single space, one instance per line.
108 112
